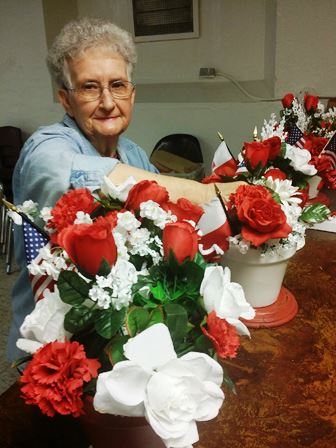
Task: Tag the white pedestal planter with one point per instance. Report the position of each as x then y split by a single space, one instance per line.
260 275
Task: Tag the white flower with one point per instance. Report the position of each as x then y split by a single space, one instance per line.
45 214
102 297
284 189
45 323
299 160
29 208
119 192
127 222
17 219
83 218
226 298
273 128
171 393
152 210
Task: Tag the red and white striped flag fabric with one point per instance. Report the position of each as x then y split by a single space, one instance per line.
34 240
40 281
223 162
215 228
330 150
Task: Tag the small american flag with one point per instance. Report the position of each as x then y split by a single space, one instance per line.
295 136
34 240
330 150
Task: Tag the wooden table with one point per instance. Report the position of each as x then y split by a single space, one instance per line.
285 377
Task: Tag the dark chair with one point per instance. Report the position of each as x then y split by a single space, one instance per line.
182 145
10 147
185 146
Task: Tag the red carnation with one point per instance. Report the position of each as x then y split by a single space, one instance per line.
66 208
144 191
223 336
55 377
287 100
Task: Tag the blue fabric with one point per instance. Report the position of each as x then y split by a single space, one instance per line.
53 160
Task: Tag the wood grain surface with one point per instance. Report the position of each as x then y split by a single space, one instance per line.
285 377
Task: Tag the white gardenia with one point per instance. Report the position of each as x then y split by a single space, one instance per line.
299 160
45 323
172 393
119 192
226 298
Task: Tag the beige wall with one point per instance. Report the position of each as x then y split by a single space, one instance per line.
272 46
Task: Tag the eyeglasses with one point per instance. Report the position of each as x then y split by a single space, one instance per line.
92 91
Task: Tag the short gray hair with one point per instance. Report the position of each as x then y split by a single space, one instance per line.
79 35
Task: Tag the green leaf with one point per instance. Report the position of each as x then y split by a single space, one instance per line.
104 268
203 344
315 213
115 349
136 321
78 318
227 381
158 291
177 321
72 288
109 321
156 317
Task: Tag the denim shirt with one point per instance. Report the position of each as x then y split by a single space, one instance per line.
53 160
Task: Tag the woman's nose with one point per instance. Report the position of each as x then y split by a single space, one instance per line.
107 101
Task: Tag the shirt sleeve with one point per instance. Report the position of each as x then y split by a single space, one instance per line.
55 165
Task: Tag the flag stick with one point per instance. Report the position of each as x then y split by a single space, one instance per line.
12 207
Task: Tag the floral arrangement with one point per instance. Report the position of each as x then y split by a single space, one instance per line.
317 126
271 211
132 309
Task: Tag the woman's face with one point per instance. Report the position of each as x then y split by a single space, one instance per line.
104 119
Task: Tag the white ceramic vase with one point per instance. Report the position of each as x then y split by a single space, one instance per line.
261 275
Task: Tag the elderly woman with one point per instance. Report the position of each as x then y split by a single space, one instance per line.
91 61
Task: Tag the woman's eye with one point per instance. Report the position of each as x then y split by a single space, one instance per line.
90 87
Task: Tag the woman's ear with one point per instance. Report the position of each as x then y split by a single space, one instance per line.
63 96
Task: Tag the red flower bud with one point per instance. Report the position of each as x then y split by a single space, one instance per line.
88 244
311 102
182 239
287 100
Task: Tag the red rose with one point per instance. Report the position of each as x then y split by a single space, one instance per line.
184 209
251 191
182 239
262 218
275 173
64 212
311 102
55 377
144 191
88 244
275 147
257 153
223 336
287 100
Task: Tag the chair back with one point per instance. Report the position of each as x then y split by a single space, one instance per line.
182 145
10 147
